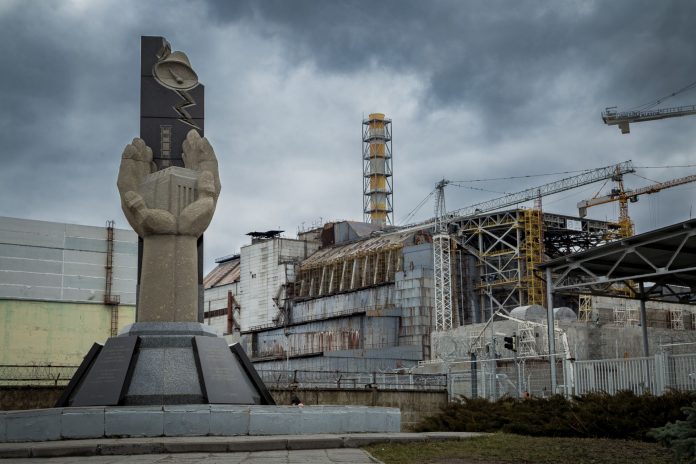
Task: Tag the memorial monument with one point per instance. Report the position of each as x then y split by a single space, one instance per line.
168 374
168 197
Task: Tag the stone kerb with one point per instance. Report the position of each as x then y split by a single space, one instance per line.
193 420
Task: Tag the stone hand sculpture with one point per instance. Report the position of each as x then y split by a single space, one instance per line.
169 210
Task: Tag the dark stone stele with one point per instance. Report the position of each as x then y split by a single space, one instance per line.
158 111
224 377
107 379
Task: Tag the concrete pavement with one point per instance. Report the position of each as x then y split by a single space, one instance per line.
328 456
324 448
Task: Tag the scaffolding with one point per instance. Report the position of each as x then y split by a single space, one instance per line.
620 314
533 251
507 246
526 339
585 308
676 317
377 170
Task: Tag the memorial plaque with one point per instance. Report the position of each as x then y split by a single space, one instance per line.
106 381
74 383
243 359
224 380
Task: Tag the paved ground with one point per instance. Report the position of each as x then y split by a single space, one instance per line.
306 449
320 456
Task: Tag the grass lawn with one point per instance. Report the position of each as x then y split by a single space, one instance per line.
508 448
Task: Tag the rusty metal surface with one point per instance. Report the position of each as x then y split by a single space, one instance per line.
225 273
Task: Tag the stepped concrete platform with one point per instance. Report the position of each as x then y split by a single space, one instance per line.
192 420
238 444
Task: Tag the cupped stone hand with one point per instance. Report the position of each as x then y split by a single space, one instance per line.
199 156
136 164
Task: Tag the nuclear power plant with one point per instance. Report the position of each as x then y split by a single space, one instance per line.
475 292
431 296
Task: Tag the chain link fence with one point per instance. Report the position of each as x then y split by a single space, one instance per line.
353 380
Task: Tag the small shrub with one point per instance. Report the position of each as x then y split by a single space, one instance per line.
624 415
680 436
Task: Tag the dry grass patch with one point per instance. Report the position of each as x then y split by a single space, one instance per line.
509 448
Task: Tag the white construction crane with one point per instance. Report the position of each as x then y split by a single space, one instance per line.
442 262
647 112
612 117
441 238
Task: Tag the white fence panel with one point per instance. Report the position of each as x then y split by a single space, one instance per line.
613 375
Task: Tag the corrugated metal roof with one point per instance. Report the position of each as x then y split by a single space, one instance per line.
225 273
357 248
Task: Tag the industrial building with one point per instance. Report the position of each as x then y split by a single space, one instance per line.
62 288
368 296
357 297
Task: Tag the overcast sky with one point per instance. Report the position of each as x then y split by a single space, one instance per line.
475 89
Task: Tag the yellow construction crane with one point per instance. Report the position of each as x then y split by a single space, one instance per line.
623 196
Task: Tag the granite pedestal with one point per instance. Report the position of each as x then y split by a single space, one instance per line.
165 363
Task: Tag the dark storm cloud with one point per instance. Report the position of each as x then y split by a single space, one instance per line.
475 88
499 57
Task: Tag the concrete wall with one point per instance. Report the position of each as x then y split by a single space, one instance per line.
414 299
414 405
50 332
368 299
52 261
370 360
266 266
215 298
16 398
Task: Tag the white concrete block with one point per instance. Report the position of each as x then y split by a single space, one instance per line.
229 420
186 420
33 425
82 423
134 421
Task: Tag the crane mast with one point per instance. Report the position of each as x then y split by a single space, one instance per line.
442 262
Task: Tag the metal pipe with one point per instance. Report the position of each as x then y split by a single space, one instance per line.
550 322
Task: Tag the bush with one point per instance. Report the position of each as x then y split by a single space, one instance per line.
680 436
624 415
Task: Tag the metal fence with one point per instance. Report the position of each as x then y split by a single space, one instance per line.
353 380
485 378
35 375
493 379
654 374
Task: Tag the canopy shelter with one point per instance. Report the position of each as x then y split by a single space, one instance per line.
657 265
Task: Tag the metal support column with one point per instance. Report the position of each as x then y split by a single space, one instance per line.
643 320
552 335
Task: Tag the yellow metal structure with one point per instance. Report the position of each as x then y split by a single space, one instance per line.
377 171
623 196
533 253
585 306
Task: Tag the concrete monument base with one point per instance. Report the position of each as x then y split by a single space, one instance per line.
193 420
165 363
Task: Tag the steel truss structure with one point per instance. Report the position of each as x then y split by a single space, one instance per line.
664 259
443 282
507 248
